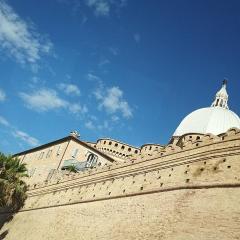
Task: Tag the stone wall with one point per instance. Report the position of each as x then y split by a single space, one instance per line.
191 214
191 192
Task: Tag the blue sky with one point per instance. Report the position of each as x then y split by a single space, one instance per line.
125 69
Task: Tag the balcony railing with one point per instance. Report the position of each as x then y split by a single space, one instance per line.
80 166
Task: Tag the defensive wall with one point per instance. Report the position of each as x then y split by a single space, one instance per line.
117 150
187 192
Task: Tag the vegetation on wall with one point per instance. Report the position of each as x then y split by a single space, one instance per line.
71 168
12 187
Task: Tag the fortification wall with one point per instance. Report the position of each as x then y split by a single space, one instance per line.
117 150
202 214
189 193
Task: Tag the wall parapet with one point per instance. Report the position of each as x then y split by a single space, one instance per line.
208 165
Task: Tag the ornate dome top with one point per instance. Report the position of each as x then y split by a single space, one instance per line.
215 119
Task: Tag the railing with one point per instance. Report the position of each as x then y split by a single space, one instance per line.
80 166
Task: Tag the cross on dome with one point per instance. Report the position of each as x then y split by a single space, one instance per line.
221 99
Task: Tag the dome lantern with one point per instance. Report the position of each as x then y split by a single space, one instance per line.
221 99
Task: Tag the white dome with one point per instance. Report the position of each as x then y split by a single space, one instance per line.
213 120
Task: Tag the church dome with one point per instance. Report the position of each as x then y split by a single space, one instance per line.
215 119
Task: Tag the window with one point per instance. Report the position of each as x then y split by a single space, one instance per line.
116 144
129 149
122 147
104 142
136 151
198 138
150 148
49 153
41 155
74 154
91 160
59 150
110 143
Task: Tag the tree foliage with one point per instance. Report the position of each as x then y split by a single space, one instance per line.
71 168
12 187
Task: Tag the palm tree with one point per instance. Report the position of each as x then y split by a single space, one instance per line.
12 187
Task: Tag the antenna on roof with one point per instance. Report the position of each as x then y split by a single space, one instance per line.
75 134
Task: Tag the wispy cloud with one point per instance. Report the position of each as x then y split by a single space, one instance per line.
19 39
2 95
98 126
92 77
46 99
103 62
114 51
137 37
76 108
103 7
69 89
43 100
90 125
100 7
4 122
23 136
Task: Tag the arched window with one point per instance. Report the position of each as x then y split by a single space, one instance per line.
91 160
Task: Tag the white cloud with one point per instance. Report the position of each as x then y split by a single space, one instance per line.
4 122
19 134
76 108
114 51
90 125
115 118
48 99
70 89
19 39
25 138
100 7
92 77
103 62
112 101
43 100
103 7
2 95
96 126
137 37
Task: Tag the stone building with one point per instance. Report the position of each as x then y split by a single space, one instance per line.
187 189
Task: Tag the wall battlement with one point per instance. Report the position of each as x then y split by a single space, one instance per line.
214 162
